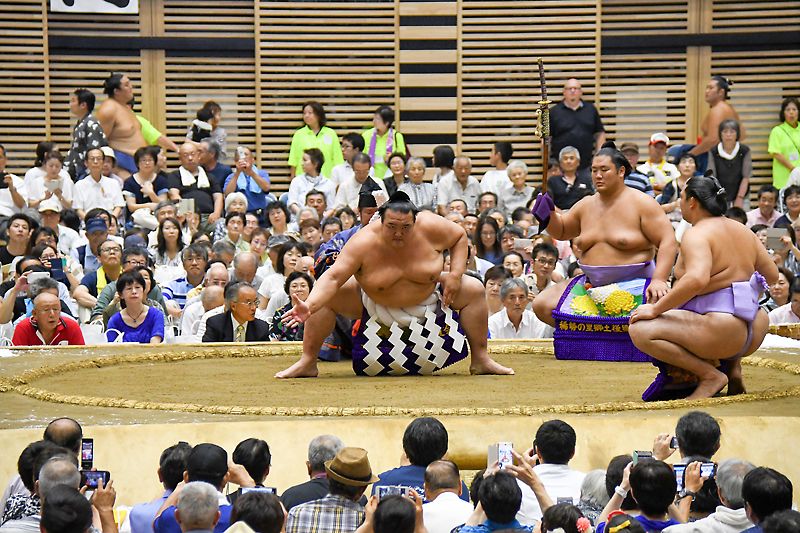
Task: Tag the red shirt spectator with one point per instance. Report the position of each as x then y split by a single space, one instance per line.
46 327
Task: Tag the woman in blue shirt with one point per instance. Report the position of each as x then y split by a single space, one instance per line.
136 322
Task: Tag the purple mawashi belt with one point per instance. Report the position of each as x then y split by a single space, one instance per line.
607 274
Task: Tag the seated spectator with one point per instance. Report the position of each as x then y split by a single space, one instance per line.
262 512
245 268
765 213
652 484
170 244
259 243
52 185
554 447
321 450
110 163
63 269
87 254
146 188
18 295
656 167
462 185
147 275
277 218
68 511
224 251
765 492
396 174
782 522
636 179
348 217
19 234
309 232
487 245
171 467
545 259
593 495
234 225
514 321
216 274
493 280
206 463
791 203
422 194
298 286
489 199
349 190
248 179
497 179
58 470
566 517
162 211
500 498
250 225
730 516
211 154
136 322
351 144
349 474
670 198
779 292
290 252
96 190
253 455
506 236
190 181
513 262
698 435
330 227
194 264
210 298
570 186
94 282
11 199
234 203
311 178
470 223
445 510
788 313
738 214
198 507
239 322
394 514
424 441
51 218
520 193
786 254
27 503
625 523
133 257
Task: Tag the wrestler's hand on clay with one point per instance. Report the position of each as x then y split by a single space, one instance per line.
297 314
656 290
643 312
450 285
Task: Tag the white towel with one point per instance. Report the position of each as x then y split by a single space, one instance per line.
187 179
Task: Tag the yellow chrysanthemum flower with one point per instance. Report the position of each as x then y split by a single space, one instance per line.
584 305
619 302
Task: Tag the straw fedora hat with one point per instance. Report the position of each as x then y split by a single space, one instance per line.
351 467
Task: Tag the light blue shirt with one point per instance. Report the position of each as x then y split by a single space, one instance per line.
142 514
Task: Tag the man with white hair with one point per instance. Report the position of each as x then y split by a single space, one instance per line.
198 507
461 186
730 517
210 298
244 269
520 193
321 450
515 321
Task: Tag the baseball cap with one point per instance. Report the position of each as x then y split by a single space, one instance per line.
94 224
659 138
49 205
277 240
108 152
629 147
135 240
207 462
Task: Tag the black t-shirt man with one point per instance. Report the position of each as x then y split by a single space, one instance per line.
575 128
203 198
566 195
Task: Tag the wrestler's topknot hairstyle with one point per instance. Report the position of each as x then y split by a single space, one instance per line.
709 192
617 157
400 203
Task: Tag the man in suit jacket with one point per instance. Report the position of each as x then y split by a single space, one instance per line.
239 322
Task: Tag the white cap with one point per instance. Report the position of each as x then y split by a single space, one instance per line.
659 138
108 152
49 205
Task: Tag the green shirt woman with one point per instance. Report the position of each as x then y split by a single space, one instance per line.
382 140
315 135
784 143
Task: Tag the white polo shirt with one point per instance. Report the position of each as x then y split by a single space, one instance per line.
530 327
90 194
450 189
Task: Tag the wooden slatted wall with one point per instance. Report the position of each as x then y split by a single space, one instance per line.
761 81
642 95
23 102
501 43
208 18
345 60
756 15
630 17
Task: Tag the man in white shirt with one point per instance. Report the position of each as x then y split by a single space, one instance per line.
462 186
514 321
497 179
445 509
211 297
352 143
662 172
348 192
96 190
553 447
11 201
789 313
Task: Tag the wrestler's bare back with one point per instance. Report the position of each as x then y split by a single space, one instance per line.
619 230
404 274
729 263
123 129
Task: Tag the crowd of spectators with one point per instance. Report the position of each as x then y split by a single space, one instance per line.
536 490
133 246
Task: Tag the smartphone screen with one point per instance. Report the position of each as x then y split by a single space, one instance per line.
679 470
93 478
268 490
87 450
707 469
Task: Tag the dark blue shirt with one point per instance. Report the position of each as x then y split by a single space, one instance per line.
411 476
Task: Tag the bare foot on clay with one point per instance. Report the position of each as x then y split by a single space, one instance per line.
709 387
490 366
299 370
735 381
